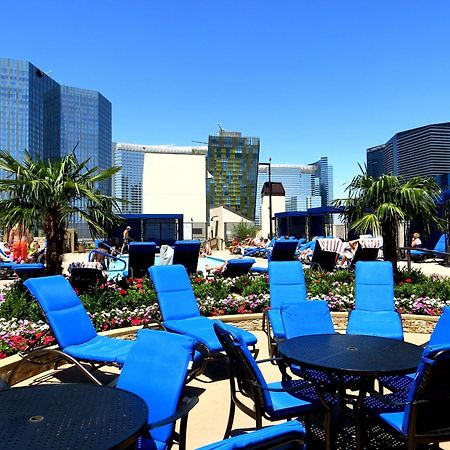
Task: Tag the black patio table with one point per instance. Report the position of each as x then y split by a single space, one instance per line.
367 357
70 416
351 354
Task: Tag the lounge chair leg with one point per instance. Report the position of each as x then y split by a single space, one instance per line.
230 419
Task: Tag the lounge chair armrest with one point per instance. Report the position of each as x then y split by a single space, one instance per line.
152 322
183 408
274 359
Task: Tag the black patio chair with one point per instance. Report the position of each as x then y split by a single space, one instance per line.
418 415
273 401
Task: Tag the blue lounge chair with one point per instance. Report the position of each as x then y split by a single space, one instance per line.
418 415
31 270
156 370
72 327
374 312
287 285
439 250
289 435
273 401
141 255
179 309
236 267
186 253
283 250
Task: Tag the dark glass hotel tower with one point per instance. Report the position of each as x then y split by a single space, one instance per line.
233 163
48 120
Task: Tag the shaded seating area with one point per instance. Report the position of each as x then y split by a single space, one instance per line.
186 253
325 254
69 322
179 309
141 257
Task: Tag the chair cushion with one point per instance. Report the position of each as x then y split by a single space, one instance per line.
101 348
293 429
374 286
306 318
156 370
392 414
148 443
202 329
386 324
66 315
175 295
276 323
287 403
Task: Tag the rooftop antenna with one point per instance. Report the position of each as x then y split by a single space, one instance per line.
221 130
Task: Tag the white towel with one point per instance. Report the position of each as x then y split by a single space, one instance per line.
166 255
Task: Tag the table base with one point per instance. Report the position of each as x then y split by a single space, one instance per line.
345 438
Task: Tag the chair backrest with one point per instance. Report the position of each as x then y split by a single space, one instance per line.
286 283
324 257
441 332
283 250
243 366
66 315
141 257
441 244
374 286
156 370
174 292
429 394
186 253
364 254
236 267
305 318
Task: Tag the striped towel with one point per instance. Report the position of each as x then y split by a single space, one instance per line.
330 245
371 242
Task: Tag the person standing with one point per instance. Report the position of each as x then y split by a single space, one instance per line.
125 239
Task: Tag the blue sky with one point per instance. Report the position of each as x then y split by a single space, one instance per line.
310 78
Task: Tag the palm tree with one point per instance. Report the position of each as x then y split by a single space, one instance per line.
381 205
46 194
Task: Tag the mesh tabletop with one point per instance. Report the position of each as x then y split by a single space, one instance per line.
355 354
70 416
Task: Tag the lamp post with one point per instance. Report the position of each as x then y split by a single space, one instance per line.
270 196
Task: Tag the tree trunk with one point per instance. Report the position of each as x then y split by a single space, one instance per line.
55 232
389 232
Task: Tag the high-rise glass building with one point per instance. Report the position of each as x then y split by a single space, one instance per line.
306 186
423 151
232 162
49 120
128 183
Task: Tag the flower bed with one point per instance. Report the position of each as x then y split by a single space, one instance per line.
133 302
